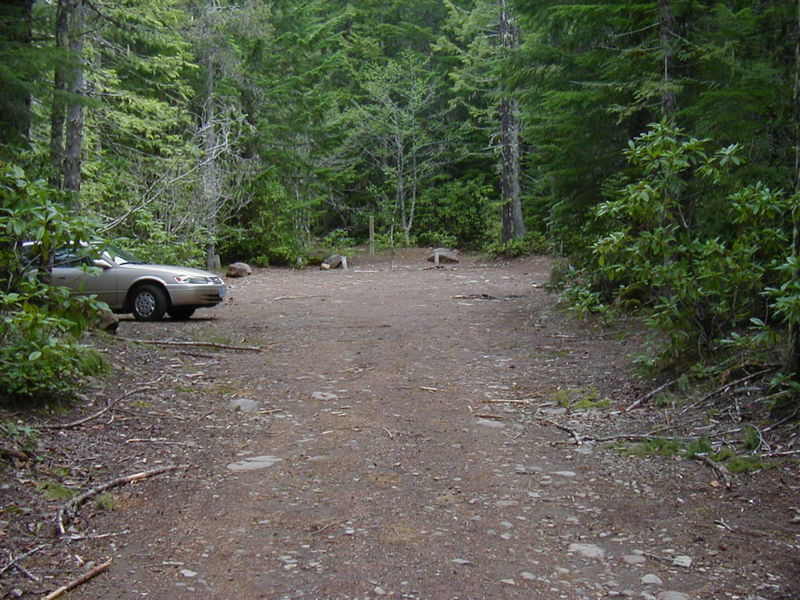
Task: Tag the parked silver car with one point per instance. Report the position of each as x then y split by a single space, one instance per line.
130 285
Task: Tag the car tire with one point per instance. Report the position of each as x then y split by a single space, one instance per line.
181 313
149 302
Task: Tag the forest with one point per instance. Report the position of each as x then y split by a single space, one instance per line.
654 146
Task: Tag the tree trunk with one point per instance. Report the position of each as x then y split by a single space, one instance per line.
793 354
15 102
208 171
667 33
510 129
74 128
58 109
66 118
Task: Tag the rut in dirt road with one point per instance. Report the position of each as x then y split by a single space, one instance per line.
394 446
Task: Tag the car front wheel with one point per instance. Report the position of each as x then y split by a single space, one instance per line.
149 303
181 313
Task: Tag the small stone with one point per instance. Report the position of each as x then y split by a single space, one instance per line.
508 582
188 573
682 561
565 473
461 561
527 576
239 269
634 559
245 405
379 590
587 550
323 396
651 579
672 596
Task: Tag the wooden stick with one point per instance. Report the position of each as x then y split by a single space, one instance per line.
725 387
501 401
717 468
649 395
15 560
183 343
91 573
65 513
100 412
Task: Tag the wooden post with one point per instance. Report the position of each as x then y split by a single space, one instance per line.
371 237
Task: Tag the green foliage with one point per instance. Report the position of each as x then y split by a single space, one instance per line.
752 439
40 325
654 447
675 242
532 243
55 491
457 214
18 435
267 233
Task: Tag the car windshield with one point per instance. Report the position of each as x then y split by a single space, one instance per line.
121 257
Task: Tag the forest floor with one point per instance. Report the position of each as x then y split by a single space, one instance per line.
403 432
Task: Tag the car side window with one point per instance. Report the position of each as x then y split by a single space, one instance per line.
69 257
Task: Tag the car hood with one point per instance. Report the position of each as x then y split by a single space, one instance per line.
164 270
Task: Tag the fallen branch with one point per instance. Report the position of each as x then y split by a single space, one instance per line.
501 401
577 436
15 560
294 298
100 412
184 343
90 574
720 470
649 395
630 437
67 511
726 387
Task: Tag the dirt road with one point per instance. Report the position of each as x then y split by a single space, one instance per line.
396 439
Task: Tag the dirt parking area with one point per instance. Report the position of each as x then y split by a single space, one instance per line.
389 431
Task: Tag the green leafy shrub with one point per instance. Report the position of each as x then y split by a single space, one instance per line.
683 243
456 214
41 326
268 232
532 243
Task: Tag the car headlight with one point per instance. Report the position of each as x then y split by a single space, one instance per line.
197 279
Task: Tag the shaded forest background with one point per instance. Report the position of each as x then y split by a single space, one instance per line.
654 145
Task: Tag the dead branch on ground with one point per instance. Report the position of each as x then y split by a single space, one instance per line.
720 470
649 395
15 559
147 388
185 343
67 511
90 574
724 388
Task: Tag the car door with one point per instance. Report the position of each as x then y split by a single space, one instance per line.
69 270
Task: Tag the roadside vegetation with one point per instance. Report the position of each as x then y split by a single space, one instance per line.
652 146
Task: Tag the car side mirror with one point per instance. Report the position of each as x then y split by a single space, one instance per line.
102 263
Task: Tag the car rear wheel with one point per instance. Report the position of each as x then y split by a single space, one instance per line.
181 313
149 303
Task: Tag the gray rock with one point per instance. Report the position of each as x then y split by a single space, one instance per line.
239 269
440 255
254 463
107 321
587 550
682 561
669 595
651 579
245 405
334 261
